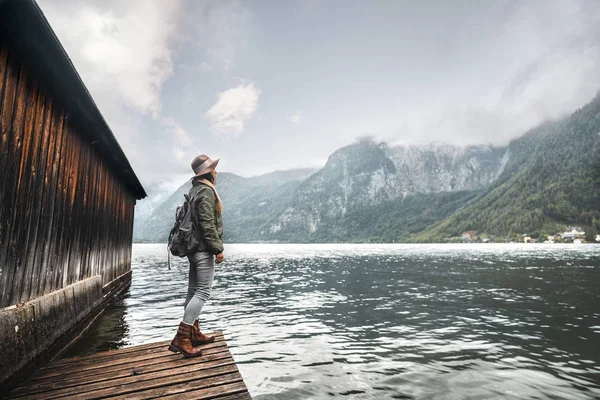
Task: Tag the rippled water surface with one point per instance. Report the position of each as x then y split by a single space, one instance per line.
384 321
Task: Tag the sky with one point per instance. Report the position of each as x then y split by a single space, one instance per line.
270 85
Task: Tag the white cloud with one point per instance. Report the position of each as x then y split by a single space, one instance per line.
179 153
222 29
178 137
145 61
234 107
206 66
552 70
202 67
121 49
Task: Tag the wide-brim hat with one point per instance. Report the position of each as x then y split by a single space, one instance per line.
203 164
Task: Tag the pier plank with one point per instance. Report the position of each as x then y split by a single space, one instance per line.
209 393
124 363
223 384
120 353
125 367
136 383
208 361
140 372
237 396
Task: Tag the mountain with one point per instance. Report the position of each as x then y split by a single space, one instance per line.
540 183
366 176
249 203
157 194
552 179
537 184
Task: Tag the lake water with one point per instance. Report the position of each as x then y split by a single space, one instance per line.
384 321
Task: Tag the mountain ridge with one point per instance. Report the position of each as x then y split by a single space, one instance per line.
371 191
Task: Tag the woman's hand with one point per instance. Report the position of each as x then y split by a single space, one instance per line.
220 257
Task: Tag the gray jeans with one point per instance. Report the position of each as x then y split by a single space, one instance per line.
202 274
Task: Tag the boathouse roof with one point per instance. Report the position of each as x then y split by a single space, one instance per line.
25 28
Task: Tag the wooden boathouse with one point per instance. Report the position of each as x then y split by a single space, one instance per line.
67 197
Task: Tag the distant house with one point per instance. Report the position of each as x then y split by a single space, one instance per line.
468 236
573 233
597 238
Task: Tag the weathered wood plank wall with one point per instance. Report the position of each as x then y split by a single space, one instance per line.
64 214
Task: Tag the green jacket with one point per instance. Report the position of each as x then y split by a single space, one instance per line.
208 223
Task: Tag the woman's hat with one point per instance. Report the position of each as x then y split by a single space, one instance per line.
203 164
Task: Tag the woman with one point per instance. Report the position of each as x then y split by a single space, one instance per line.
206 209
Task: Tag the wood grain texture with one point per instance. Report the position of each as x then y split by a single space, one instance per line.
222 358
65 215
140 372
102 365
149 348
11 80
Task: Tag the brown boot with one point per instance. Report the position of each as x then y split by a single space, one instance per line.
182 343
198 338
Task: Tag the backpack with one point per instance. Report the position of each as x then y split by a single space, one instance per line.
182 238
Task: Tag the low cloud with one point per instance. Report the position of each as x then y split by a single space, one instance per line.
179 137
151 65
122 50
116 62
553 70
222 29
204 66
233 109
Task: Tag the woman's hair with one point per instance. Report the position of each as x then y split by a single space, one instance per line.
207 176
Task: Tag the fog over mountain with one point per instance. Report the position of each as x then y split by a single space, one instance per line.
290 85
370 191
283 84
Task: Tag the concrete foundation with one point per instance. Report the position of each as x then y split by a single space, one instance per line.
32 333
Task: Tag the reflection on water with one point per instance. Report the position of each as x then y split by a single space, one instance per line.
385 321
108 332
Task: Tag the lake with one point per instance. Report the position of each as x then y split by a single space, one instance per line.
473 321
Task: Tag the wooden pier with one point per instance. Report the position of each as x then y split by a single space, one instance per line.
141 372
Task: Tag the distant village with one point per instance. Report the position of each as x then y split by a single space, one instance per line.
572 234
